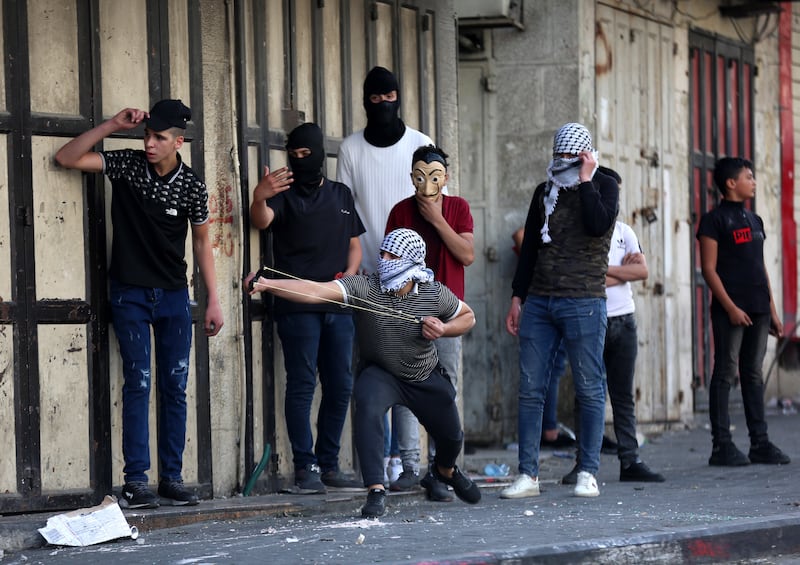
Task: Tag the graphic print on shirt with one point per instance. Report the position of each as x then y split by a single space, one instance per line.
744 235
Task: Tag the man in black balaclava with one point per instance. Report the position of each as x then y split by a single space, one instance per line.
315 231
373 162
306 152
382 104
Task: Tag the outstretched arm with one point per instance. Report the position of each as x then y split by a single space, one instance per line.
301 290
79 154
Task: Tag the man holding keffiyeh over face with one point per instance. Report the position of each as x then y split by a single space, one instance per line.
559 299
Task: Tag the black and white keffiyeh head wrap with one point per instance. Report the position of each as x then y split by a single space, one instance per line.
572 138
409 246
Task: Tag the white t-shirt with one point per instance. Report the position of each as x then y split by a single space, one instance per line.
620 296
379 178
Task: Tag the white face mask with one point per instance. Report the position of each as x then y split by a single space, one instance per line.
429 178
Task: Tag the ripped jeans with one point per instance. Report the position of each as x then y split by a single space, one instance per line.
134 310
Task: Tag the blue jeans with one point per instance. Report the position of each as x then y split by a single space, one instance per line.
313 340
550 416
580 325
134 311
738 350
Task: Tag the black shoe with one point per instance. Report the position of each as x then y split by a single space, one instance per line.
407 480
137 495
571 478
464 488
638 472
307 480
727 455
175 494
340 481
436 490
768 453
376 504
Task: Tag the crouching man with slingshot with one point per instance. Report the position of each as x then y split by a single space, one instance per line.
399 312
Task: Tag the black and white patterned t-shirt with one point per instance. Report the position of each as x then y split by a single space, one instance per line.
150 217
397 345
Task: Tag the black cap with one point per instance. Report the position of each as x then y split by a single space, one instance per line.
168 114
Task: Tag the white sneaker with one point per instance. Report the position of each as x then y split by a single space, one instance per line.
385 469
586 485
522 487
394 469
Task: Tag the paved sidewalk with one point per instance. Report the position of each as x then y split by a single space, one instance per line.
701 514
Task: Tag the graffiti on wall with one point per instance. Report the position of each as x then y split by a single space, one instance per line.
220 208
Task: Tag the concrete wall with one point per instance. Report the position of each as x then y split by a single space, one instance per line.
226 360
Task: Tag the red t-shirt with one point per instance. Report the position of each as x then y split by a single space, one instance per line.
446 268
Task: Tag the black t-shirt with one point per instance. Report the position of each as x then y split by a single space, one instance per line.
150 217
740 236
311 237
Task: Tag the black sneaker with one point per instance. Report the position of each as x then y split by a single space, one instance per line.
571 478
376 504
640 473
137 495
768 453
464 488
727 455
407 480
307 480
338 480
174 493
435 490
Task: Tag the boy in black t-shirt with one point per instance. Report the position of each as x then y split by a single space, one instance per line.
156 197
743 313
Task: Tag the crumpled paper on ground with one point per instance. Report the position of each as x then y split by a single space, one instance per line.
88 526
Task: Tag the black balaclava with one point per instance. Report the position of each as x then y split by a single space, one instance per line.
384 127
307 171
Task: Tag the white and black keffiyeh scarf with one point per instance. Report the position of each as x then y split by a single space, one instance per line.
564 173
409 246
